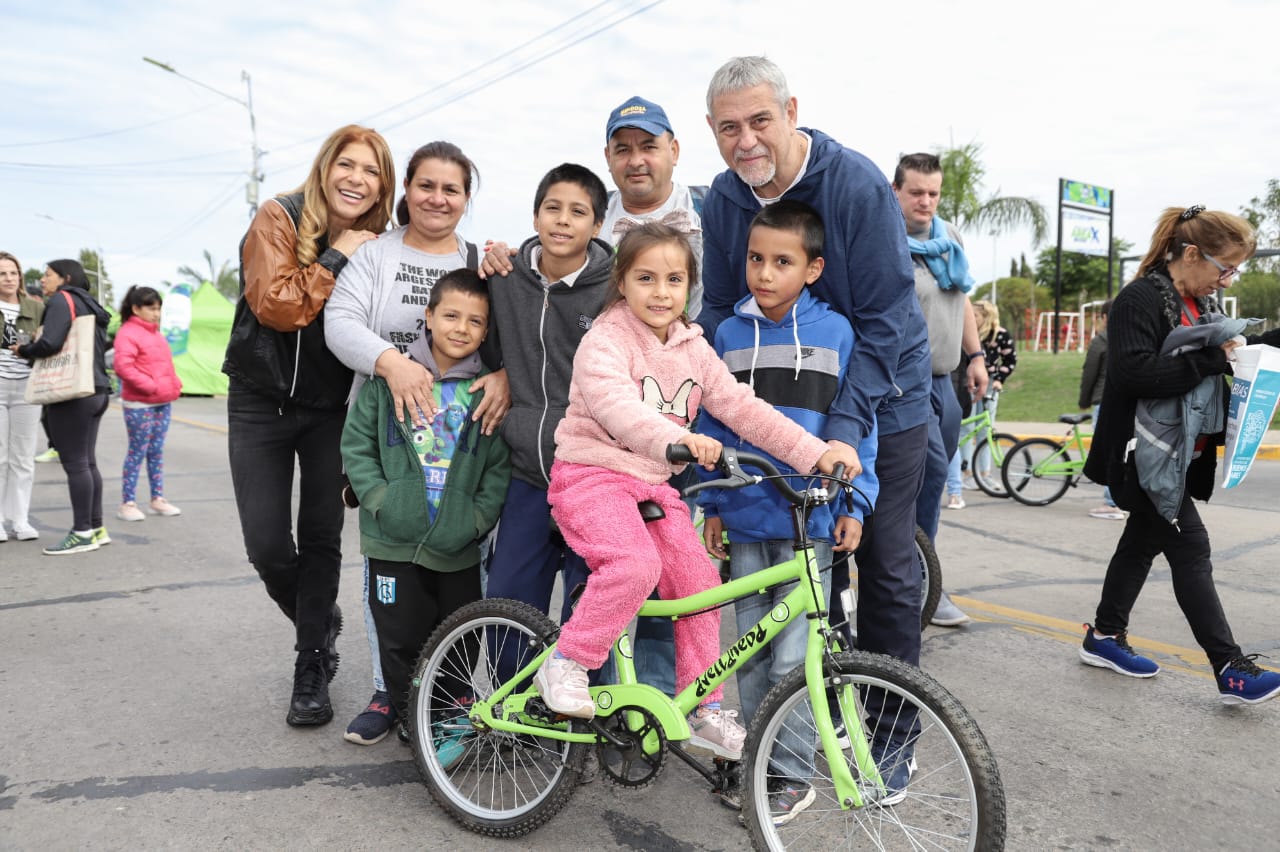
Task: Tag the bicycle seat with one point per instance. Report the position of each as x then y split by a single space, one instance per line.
1074 419
650 511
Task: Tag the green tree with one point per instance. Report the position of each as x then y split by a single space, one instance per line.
32 276
1263 212
226 278
1084 276
1259 296
99 277
963 204
1019 299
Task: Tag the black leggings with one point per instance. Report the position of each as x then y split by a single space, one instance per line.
73 429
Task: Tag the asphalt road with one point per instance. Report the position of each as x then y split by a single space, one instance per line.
145 687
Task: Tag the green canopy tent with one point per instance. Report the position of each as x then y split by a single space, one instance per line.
198 333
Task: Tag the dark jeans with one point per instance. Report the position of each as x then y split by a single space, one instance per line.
262 440
944 434
408 602
527 555
1145 535
73 429
888 575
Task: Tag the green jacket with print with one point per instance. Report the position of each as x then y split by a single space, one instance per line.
387 477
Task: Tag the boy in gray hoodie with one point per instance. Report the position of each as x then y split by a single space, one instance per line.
541 311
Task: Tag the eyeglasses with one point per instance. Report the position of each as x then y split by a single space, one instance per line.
1225 273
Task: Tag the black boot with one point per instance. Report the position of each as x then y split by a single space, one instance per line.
310 690
331 643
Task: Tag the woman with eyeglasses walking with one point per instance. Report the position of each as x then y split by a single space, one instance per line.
1194 254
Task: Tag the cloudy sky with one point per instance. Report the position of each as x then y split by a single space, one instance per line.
1168 103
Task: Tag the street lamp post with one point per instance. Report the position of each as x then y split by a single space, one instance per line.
255 171
995 273
97 256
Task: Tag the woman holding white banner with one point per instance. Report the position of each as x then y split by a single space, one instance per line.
1194 254
73 422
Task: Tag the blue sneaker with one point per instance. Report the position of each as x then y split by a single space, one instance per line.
1242 682
897 763
1116 654
449 736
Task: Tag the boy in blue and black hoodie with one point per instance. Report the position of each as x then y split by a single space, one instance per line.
794 351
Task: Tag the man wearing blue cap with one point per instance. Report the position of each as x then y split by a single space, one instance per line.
642 152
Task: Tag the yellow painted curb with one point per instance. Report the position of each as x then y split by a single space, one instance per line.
1188 660
1270 452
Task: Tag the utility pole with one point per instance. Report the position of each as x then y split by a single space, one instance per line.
255 170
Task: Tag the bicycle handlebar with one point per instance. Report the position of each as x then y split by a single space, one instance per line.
730 464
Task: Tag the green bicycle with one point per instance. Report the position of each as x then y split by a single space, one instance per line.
989 451
912 771
1037 471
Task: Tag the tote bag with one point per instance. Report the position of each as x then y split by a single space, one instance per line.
68 374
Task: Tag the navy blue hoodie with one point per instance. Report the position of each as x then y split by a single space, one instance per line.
868 278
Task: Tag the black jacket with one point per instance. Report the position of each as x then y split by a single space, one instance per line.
294 366
1140 319
57 324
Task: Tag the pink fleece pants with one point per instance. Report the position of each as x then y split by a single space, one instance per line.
596 511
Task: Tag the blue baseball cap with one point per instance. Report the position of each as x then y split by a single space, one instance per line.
639 113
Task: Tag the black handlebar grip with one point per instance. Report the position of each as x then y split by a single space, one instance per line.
677 453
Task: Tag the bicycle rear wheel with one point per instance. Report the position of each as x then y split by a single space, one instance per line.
493 783
930 577
988 460
952 798
1032 471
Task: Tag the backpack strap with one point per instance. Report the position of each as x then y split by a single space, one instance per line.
473 257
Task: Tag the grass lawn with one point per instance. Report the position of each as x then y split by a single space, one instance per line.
1045 385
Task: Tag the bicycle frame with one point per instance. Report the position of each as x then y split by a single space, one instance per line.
1052 467
500 710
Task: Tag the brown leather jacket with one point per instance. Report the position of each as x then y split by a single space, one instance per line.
277 339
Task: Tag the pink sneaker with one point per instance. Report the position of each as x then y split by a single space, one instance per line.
717 732
130 512
161 506
562 683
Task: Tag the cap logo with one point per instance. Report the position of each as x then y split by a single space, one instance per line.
632 110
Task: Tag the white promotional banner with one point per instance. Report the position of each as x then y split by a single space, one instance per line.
1085 232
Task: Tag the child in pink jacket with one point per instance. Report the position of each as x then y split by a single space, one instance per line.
148 384
639 377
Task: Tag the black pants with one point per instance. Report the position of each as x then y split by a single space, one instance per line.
73 429
1145 535
888 576
262 441
408 602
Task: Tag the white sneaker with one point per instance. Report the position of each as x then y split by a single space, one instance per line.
948 614
161 506
717 732
1107 513
562 683
130 512
25 532
955 501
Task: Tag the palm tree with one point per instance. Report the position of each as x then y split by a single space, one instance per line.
225 278
962 205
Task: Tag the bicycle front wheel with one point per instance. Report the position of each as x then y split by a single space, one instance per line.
1033 471
950 794
493 783
988 461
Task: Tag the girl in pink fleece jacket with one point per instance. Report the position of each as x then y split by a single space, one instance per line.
639 377
148 384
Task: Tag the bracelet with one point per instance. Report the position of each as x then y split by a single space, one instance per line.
973 355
